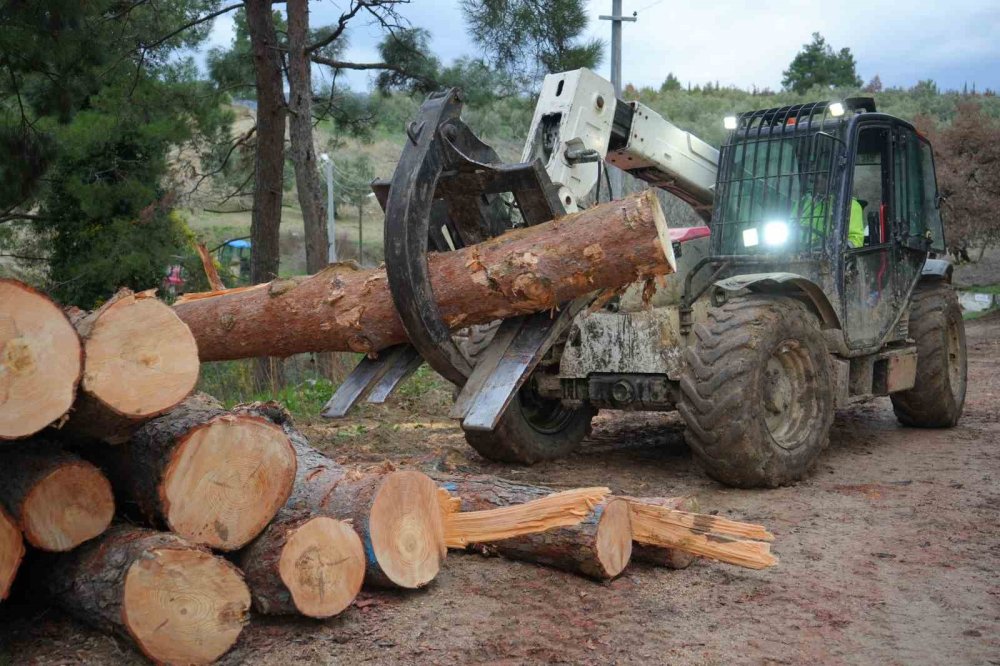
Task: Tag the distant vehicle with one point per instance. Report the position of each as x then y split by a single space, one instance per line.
234 257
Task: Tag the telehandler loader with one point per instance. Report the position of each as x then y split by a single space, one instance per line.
820 280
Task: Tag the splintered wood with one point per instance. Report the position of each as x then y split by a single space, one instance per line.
535 524
703 535
562 509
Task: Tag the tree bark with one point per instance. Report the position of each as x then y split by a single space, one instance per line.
396 513
57 499
598 546
304 562
140 361
11 552
214 477
526 270
176 601
41 359
269 163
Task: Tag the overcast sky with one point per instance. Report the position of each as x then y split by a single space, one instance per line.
743 43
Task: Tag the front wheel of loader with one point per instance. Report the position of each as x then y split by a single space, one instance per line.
756 395
937 397
533 429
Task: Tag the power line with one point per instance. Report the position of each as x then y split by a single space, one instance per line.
650 6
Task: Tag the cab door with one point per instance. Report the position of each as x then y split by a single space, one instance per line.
916 221
869 278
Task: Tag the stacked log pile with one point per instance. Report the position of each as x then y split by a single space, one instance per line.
223 510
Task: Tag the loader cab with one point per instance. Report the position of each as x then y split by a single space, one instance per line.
837 194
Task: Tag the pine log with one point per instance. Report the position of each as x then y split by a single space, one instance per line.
713 537
11 552
396 513
526 270
56 498
140 361
41 359
176 601
663 556
304 562
598 544
214 477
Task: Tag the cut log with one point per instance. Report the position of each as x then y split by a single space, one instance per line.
703 535
304 562
662 556
396 513
214 477
595 541
140 361
178 602
527 270
11 552
57 499
40 361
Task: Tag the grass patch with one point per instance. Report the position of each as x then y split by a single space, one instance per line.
983 289
970 316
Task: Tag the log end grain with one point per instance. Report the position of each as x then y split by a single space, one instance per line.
184 606
407 529
40 361
323 565
70 505
11 552
614 537
226 480
142 360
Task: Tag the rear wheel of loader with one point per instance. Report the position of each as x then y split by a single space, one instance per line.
533 429
757 396
938 396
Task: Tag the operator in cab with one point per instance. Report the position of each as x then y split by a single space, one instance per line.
811 211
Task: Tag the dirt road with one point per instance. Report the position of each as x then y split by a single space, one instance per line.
890 554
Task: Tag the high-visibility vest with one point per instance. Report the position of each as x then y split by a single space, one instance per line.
813 213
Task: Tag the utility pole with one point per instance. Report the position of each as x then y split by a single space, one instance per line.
331 224
616 19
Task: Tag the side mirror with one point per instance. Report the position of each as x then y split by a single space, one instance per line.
938 200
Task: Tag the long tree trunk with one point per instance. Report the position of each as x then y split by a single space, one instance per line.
11 552
303 151
526 270
598 544
214 477
179 603
57 499
269 163
41 359
140 361
396 513
300 131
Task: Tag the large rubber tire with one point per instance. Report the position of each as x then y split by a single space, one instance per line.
938 396
533 429
757 394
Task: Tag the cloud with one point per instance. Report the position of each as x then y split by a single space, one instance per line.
738 43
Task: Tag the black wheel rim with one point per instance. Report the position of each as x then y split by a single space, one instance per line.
544 415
